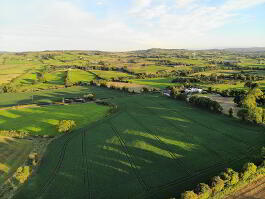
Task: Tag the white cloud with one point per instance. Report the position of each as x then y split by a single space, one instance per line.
59 24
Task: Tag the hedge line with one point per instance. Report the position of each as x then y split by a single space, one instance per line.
227 182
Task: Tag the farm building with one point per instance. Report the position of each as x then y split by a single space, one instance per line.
193 90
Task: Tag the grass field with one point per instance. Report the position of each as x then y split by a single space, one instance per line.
155 82
153 147
149 69
13 153
110 74
43 120
11 99
80 75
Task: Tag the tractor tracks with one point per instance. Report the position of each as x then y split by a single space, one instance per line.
178 162
130 159
86 167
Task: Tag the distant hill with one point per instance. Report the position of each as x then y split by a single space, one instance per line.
246 50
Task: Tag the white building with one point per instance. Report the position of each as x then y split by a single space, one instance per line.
193 90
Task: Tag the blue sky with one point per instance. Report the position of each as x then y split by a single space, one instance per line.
118 25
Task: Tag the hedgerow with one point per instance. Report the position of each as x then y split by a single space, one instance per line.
228 181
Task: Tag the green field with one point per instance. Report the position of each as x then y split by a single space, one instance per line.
153 147
155 82
13 153
110 74
79 75
43 120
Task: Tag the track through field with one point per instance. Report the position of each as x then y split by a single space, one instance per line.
139 152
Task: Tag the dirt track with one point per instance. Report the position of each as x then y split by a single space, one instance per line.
255 190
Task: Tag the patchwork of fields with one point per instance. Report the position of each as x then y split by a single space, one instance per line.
152 147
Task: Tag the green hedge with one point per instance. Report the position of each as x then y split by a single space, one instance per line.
228 182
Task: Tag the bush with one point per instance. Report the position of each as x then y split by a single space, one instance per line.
207 103
230 177
217 184
203 190
22 174
243 114
89 97
33 159
65 126
248 170
189 195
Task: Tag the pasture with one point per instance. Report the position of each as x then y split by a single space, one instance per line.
43 120
153 147
107 75
13 153
155 82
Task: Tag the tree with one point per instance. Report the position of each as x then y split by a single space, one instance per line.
22 174
248 170
230 177
65 126
189 195
243 114
203 190
256 114
239 100
217 184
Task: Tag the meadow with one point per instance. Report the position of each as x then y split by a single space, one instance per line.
43 120
153 147
13 153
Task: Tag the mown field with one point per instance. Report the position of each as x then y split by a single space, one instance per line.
13 153
152 147
43 120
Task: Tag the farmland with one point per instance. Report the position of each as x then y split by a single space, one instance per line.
130 141
43 120
13 153
152 143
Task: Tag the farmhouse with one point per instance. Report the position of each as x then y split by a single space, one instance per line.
193 90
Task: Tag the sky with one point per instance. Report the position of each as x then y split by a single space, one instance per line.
122 25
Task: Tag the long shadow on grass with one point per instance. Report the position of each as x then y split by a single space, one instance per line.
137 154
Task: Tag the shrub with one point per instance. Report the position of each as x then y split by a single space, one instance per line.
66 126
248 170
243 114
230 177
33 159
255 114
203 190
207 103
90 97
189 195
22 174
217 184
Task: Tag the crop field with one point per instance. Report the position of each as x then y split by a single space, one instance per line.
13 153
152 147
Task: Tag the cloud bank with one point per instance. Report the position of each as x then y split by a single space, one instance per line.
65 24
